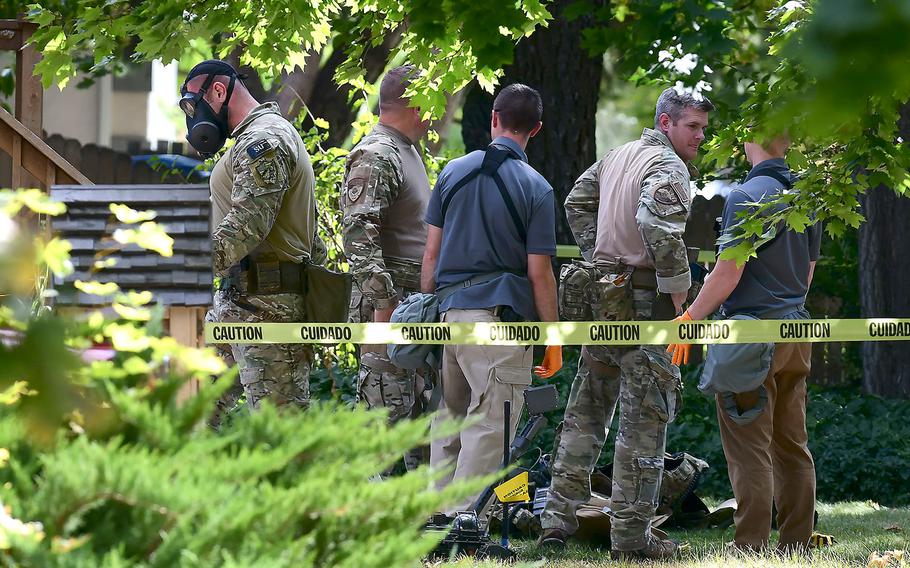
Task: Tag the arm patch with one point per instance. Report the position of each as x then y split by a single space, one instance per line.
260 148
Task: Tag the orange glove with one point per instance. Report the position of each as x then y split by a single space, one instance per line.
552 362
680 350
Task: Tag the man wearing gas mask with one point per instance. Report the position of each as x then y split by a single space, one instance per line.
263 224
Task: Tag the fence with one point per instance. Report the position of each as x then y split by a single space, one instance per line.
105 166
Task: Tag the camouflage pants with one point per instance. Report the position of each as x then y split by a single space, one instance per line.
648 388
380 384
277 372
228 399
589 413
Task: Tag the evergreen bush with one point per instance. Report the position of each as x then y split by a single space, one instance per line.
100 466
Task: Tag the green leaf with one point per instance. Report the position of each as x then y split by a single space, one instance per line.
96 288
149 235
125 214
56 255
39 202
131 313
798 221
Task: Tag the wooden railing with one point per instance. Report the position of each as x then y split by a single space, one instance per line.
34 162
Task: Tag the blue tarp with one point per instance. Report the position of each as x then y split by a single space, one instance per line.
188 167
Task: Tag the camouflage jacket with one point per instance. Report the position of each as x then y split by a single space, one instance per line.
384 198
263 199
660 213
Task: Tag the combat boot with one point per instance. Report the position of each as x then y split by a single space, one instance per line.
553 539
655 549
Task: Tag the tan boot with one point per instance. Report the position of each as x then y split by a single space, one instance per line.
654 549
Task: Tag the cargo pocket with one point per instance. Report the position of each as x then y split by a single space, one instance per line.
613 297
512 382
663 396
574 281
650 471
253 385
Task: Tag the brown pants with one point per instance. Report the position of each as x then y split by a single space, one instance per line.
769 458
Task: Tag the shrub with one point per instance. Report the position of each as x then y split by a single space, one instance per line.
100 466
860 443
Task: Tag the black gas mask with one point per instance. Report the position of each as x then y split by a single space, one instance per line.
206 130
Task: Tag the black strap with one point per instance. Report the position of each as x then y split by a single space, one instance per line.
493 158
787 183
784 180
510 205
772 171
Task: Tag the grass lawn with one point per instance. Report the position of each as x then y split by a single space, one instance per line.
859 528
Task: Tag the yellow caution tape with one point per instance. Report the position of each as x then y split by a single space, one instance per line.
572 251
567 333
514 490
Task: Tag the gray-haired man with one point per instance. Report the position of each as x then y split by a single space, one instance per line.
628 213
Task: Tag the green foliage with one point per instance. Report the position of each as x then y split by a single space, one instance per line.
829 91
835 293
453 42
335 381
826 71
101 466
860 451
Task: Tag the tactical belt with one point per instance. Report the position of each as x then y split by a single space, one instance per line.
643 278
269 277
405 273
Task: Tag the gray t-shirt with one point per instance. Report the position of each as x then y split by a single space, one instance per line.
777 279
479 237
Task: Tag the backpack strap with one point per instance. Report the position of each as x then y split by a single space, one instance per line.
494 156
788 184
444 293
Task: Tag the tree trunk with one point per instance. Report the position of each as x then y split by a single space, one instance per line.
884 270
315 86
297 86
554 62
329 101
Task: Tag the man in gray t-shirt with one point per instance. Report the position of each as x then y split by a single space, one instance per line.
490 244
777 279
768 457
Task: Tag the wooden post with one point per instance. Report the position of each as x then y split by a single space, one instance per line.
16 154
50 177
184 327
29 93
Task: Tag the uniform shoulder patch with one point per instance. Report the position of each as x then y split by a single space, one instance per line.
357 181
260 148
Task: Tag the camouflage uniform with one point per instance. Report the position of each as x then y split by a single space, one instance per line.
385 195
228 399
263 208
642 379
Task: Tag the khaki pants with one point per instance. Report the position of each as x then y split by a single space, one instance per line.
476 380
769 459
